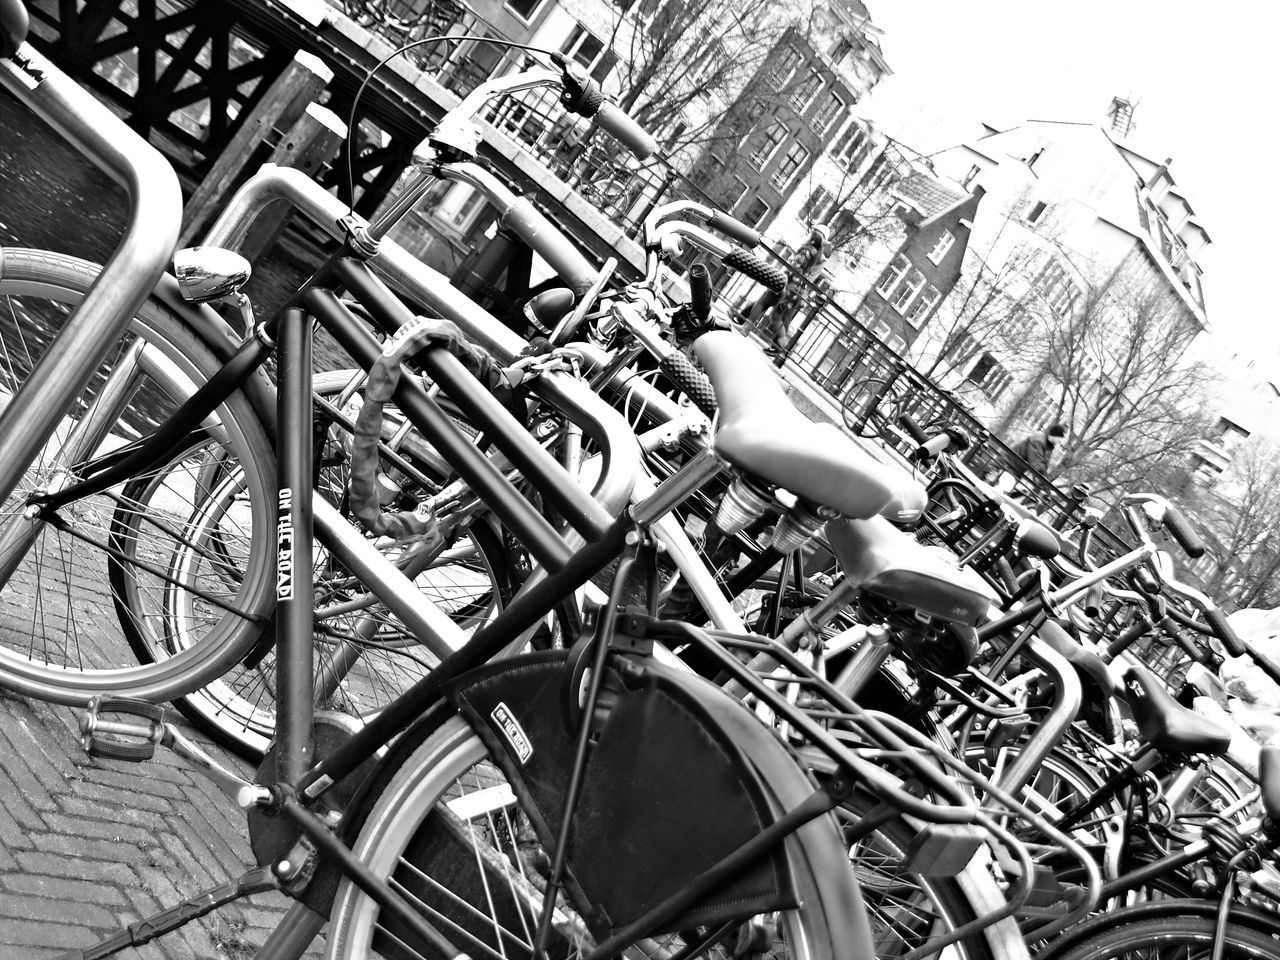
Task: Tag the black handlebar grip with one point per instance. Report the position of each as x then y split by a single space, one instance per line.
913 429
1122 643
680 370
614 120
1181 531
749 265
700 292
747 236
1224 632
1192 649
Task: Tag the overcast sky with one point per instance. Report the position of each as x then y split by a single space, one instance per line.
1204 74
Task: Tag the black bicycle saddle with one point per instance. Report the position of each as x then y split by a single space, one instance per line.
1166 724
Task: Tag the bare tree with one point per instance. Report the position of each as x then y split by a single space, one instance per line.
1243 517
1112 360
685 54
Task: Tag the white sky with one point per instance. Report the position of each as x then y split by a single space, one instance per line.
1206 79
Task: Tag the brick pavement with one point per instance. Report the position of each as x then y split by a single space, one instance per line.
88 845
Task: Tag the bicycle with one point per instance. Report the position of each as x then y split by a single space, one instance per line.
832 895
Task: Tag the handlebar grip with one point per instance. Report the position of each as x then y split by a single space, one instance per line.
1181 531
700 292
749 265
913 429
680 370
1224 632
1122 643
1192 649
618 124
731 226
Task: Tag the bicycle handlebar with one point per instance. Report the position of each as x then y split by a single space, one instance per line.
1182 531
732 227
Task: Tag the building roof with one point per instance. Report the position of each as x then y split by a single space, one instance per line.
927 194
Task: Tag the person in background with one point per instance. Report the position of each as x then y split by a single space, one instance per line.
807 261
1037 449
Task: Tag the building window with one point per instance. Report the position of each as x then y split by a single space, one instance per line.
971 176
785 66
791 162
590 51
945 243
524 9
755 213
880 172
1059 291
831 107
773 137
815 209
892 274
990 376
841 49
1036 211
919 311
805 91
740 189
909 287
848 151
896 344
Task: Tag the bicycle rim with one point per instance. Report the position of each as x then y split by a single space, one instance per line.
58 639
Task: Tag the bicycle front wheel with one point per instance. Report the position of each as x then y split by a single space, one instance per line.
59 634
448 833
1120 937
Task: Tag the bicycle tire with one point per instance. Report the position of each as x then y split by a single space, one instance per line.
444 757
237 710
38 290
909 910
1117 936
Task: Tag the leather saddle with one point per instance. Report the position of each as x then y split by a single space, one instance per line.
762 432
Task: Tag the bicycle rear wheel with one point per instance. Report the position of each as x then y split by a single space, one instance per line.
58 639
449 792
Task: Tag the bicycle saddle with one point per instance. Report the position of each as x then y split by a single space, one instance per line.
1095 678
762 432
1166 724
881 560
13 26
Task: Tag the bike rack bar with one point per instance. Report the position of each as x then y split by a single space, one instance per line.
151 232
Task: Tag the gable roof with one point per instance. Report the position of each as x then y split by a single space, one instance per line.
927 194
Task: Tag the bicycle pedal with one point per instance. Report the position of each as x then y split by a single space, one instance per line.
943 849
132 739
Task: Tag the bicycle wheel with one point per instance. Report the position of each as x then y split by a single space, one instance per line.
364 655
912 911
449 791
1120 937
58 639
